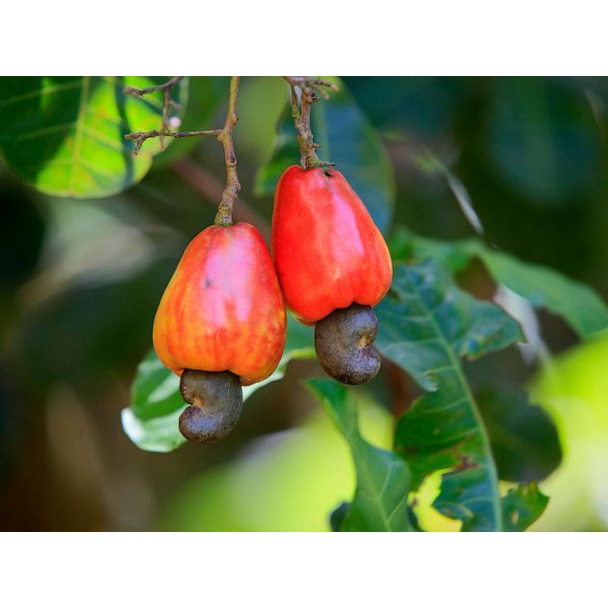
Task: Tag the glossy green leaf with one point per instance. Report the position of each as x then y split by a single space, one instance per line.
543 287
383 478
426 324
522 506
65 135
151 420
349 140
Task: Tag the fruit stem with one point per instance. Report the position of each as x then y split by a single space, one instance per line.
223 135
310 90
233 186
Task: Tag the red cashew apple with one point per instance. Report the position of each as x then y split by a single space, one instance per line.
333 266
220 324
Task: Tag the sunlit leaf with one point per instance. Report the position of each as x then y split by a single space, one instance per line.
347 139
151 420
426 324
65 135
522 506
383 478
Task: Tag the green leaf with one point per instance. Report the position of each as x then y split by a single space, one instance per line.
543 287
426 324
151 420
383 478
523 438
546 288
522 506
348 139
65 135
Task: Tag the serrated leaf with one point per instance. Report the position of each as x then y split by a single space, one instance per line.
383 478
522 506
348 139
426 324
543 287
65 135
151 420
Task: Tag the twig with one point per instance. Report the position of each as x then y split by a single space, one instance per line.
140 138
165 124
233 186
223 135
166 86
310 90
318 85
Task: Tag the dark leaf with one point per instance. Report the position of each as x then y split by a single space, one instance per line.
524 440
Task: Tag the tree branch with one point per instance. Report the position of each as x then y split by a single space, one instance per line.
140 138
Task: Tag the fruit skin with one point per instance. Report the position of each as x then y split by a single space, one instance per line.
223 309
327 250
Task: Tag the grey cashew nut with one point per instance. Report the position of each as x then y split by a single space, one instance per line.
216 400
343 341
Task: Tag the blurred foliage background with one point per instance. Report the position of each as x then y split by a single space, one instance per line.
80 281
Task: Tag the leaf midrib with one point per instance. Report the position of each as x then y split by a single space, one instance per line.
455 364
365 472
